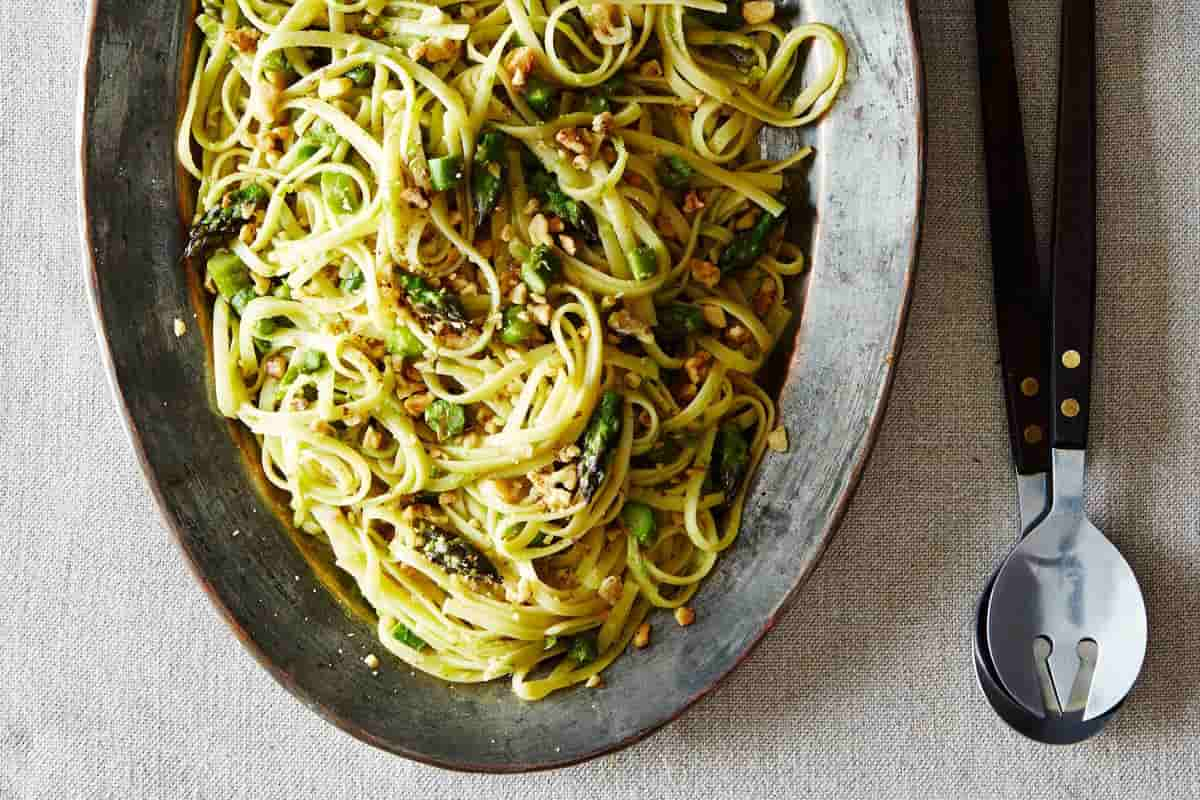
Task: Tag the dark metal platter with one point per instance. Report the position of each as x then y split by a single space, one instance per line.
832 378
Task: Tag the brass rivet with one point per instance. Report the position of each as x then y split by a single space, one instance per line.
1033 434
1071 359
1070 407
1029 387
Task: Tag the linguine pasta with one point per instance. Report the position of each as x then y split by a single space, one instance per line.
492 283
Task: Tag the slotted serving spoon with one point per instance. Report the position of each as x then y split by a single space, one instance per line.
1065 619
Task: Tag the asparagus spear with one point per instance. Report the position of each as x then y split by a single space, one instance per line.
236 208
746 247
455 554
431 302
597 441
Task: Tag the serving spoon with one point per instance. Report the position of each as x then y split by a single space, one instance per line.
1065 619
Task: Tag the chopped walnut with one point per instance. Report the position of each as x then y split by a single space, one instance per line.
603 19
706 272
665 226
372 661
510 490
519 293
372 438
244 39
555 224
539 230
569 453
568 244
573 139
416 404
685 616
506 233
322 427
275 140
333 88
642 638
697 365
532 206
692 202
777 440
737 335
441 49
610 589
602 123
415 197
520 63
713 315
650 69
179 327
594 682
520 594
627 324
555 488
247 233
764 298
582 162
276 366
756 12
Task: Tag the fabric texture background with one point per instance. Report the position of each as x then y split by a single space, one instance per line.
117 680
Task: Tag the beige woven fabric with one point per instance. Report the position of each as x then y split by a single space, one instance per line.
118 681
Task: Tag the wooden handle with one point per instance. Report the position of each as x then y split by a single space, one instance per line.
1073 285
1021 283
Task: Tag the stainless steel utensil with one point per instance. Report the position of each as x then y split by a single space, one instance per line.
1066 621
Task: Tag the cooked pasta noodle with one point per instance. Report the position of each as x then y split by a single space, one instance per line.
492 282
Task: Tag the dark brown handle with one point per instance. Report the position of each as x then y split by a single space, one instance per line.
1073 286
1021 284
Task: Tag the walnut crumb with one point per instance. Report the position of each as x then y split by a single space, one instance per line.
610 589
641 639
416 404
415 197
685 616
595 682
372 661
180 327
692 202
756 12
706 272
778 440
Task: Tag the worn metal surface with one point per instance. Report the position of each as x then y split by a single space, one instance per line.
275 587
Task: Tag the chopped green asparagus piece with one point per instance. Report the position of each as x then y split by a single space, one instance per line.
675 172
352 279
363 75
541 268
583 649
518 328
312 361
728 20
539 95
445 172
340 192
730 458
639 519
404 635
402 342
746 247
597 441
643 263
677 322
445 419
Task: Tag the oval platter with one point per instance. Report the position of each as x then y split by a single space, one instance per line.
277 588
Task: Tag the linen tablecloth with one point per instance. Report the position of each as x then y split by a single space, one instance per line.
117 680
